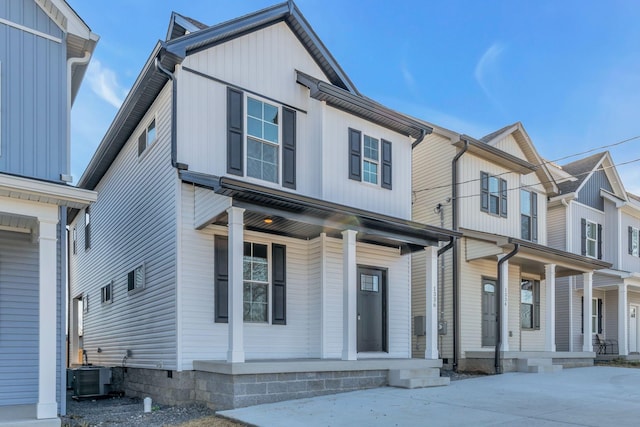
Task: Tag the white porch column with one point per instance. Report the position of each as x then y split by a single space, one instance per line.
587 282
550 309
235 353
504 309
349 296
623 320
431 350
47 406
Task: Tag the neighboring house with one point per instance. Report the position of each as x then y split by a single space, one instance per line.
254 219
498 282
44 53
594 216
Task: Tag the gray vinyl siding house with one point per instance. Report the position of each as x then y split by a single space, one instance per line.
44 51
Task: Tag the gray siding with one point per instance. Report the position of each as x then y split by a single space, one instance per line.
33 138
557 227
132 223
18 319
589 194
562 313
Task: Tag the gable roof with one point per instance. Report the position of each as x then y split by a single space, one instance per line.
179 25
166 55
526 145
583 169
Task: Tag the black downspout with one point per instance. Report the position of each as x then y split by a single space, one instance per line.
454 262
447 246
496 361
174 115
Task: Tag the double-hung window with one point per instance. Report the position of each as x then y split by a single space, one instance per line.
530 304
371 160
106 293
136 279
256 282
634 237
591 238
262 140
147 137
493 194
529 215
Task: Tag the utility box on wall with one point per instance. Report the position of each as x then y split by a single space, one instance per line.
419 326
442 327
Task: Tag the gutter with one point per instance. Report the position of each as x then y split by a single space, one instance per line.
516 248
419 140
71 62
454 243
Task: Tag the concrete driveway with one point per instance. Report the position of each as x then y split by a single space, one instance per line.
594 396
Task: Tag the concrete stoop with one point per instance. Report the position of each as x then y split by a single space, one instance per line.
416 378
537 366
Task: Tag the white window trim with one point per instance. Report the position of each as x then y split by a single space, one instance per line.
588 239
268 283
148 144
635 235
594 316
376 162
142 287
245 160
102 293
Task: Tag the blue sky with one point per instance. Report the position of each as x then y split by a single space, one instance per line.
568 70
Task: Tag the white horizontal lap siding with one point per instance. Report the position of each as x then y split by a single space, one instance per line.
332 302
562 313
556 227
398 293
18 319
337 187
431 177
469 191
418 300
315 276
133 222
513 308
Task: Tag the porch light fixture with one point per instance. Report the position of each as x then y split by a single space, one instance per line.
268 220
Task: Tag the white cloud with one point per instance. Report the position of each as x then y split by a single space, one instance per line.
487 69
103 82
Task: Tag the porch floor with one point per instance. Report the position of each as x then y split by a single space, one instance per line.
24 416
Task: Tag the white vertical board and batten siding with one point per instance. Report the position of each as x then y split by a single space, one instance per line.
132 223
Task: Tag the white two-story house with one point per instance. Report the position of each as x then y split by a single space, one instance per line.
594 216
254 219
44 51
497 283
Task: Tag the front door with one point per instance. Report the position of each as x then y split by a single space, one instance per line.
489 303
633 329
372 320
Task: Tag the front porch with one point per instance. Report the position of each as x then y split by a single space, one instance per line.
24 416
525 361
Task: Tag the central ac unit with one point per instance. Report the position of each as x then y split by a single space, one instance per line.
91 381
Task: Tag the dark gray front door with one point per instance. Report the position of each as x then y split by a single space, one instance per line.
371 310
489 302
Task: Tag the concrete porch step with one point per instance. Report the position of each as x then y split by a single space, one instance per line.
538 365
417 378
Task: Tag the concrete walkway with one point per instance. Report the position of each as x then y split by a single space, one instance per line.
594 396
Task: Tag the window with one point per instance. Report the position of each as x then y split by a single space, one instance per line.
633 241
591 239
74 238
135 279
147 137
256 282
85 303
262 140
596 315
106 293
493 194
370 160
529 215
87 228
530 304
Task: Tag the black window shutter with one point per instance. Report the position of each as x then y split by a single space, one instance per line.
599 315
599 241
386 164
582 315
534 216
288 148
142 142
503 197
484 191
583 238
235 131
536 305
221 285
630 240
278 258
355 163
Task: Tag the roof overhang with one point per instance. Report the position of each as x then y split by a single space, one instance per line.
533 257
305 217
362 107
496 155
45 192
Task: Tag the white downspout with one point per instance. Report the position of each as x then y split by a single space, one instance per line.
70 63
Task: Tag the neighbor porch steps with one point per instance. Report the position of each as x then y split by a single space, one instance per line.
538 365
416 378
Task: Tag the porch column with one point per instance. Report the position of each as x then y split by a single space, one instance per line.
235 353
587 282
623 320
349 296
47 406
550 309
504 309
431 350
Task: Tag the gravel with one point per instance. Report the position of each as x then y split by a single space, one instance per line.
127 412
